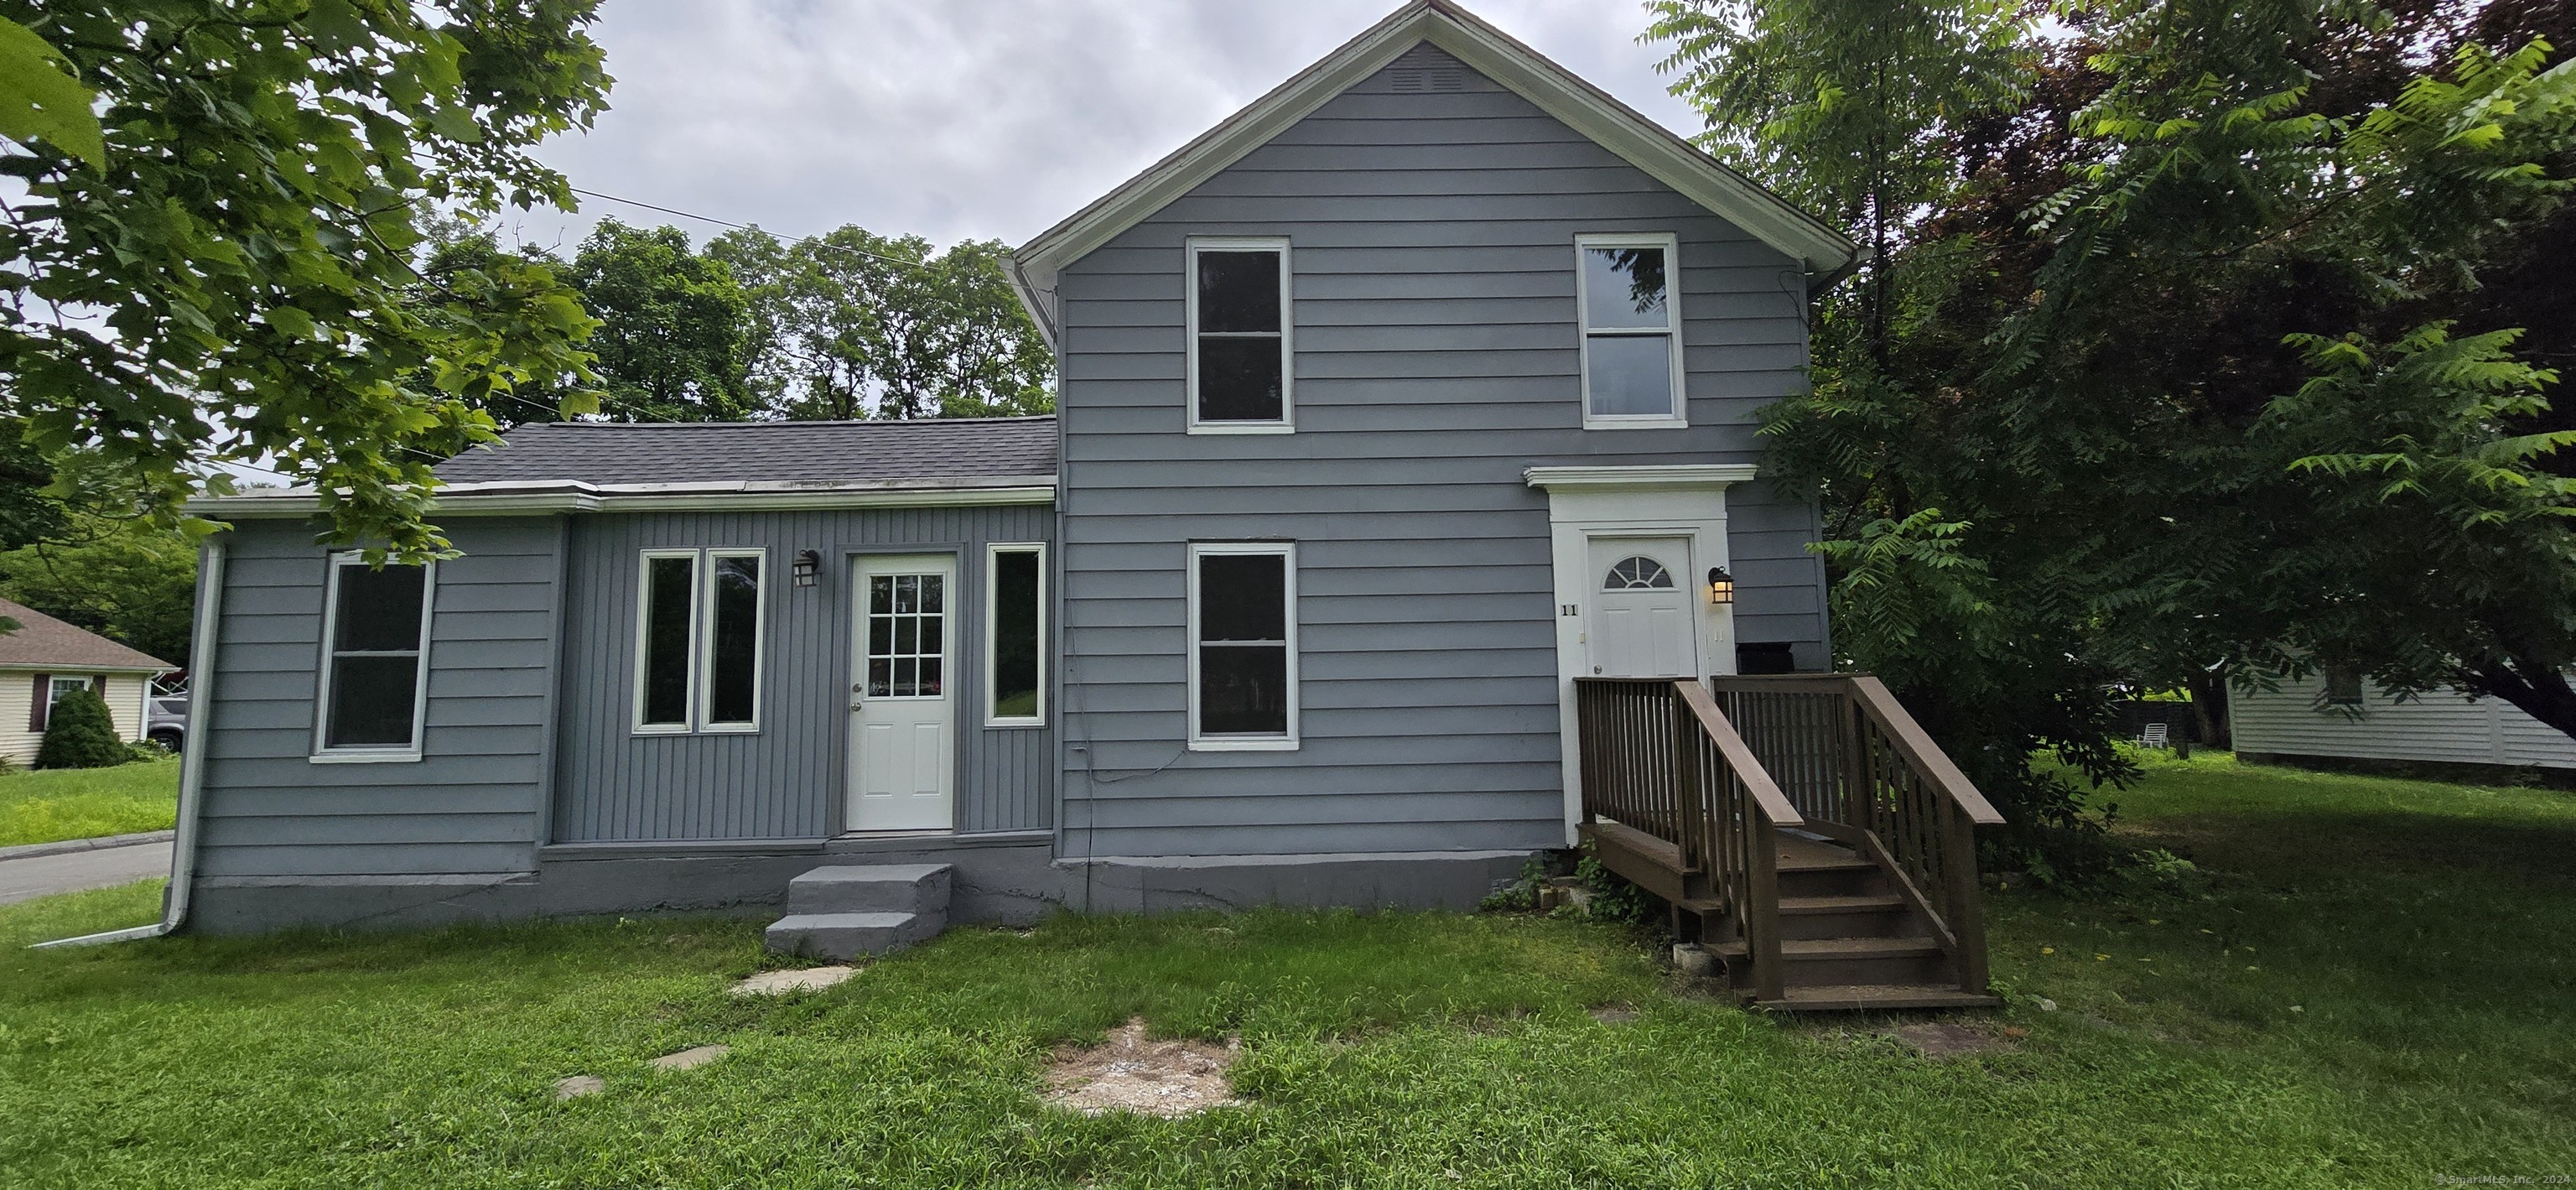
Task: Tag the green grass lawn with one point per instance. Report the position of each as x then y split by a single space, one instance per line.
42 806
2373 988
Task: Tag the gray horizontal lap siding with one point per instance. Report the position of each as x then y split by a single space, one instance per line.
473 804
1436 359
787 781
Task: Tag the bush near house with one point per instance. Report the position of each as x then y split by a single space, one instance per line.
81 734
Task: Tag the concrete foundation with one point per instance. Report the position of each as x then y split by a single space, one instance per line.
1012 880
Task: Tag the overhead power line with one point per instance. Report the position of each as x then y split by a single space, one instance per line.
637 202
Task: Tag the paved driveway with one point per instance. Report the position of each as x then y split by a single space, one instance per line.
44 875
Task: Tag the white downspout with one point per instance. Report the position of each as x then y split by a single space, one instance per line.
192 758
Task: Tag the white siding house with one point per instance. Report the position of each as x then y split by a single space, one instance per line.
2294 722
45 658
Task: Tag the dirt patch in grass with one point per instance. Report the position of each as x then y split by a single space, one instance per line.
1131 1072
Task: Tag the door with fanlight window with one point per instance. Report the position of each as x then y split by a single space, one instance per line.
1642 623
903 721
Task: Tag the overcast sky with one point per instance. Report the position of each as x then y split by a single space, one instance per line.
962 119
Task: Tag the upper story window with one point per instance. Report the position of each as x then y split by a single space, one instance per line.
1632 357
1239 371
700 624
375 676
1243 645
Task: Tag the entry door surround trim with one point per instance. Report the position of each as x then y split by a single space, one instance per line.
1665 500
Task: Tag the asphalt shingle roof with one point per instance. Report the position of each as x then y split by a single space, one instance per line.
43 641
771 452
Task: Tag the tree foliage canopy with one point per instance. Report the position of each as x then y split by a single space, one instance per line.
853 324
2199 363
233 274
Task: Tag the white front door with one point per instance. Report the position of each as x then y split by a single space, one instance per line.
903 716
1643 622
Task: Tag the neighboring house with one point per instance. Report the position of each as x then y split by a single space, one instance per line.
47 658
1388 410
2338 718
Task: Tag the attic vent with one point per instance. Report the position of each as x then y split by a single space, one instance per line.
1411 78
1423 68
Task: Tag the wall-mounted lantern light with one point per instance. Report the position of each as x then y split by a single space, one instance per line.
808 564
1721 586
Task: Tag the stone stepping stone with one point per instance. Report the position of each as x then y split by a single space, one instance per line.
691 1059
780 983
578 1086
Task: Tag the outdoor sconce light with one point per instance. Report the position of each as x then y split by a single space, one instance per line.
1721 586
808 564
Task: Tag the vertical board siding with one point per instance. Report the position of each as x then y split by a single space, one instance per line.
470 805
786 781
1432 250
2437 727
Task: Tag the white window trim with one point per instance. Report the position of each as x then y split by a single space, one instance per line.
1679 418
643 636
993 552
1287 423
409 753
1201 741
703 652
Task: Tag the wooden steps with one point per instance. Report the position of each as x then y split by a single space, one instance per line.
1848 940
1870 997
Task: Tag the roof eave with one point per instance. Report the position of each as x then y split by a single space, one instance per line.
558 497
1819 250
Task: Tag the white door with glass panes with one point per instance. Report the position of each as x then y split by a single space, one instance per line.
903 720
1643 622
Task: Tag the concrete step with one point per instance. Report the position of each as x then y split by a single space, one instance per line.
871 888
848 935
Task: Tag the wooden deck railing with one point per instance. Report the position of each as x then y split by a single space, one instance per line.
1660 757
1860 770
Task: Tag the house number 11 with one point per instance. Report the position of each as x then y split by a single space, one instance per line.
1569 609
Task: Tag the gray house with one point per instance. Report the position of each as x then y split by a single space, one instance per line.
1391 412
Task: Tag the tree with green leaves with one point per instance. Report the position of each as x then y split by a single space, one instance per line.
2189 373
674 337
860 325
105 562
231 269
1846 106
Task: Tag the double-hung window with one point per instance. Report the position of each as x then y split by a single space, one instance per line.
1632 355
1243 646
1015 635
1240 372
700 629
375 665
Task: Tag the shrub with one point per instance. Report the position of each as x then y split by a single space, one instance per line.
80 734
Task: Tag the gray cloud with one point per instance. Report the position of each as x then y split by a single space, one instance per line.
970 118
